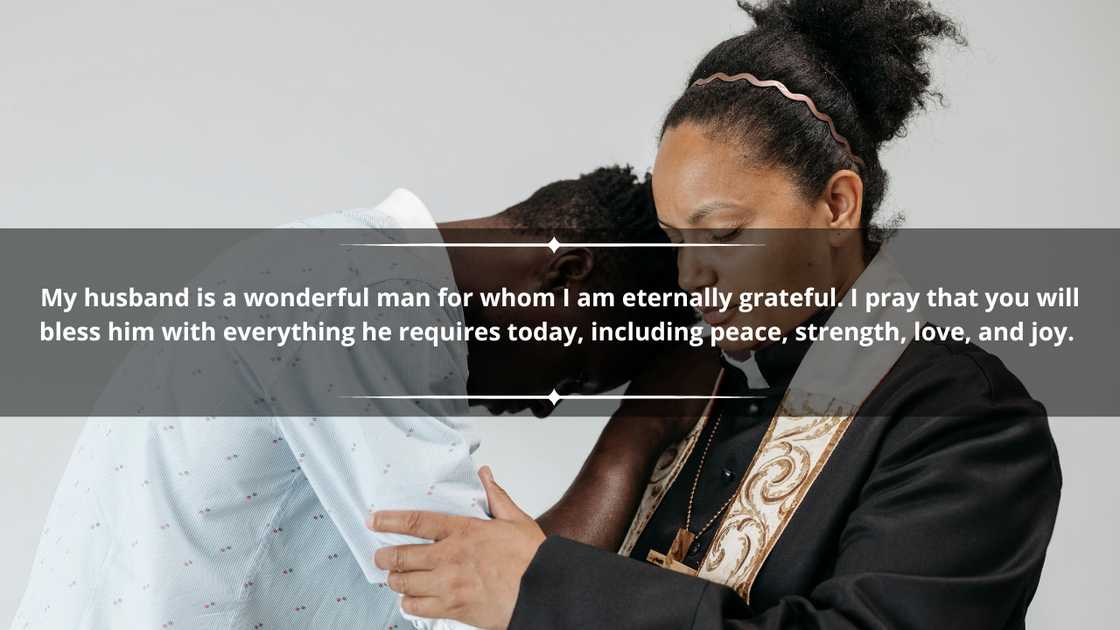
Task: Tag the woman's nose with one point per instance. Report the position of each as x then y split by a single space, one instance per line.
693 271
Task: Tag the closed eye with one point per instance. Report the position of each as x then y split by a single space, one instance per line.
724 236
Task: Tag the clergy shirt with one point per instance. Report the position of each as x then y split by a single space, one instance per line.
763 377
258 523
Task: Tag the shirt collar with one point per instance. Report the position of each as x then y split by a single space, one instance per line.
402 209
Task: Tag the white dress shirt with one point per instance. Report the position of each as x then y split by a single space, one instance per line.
258 523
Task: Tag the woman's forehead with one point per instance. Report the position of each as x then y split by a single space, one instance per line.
697 180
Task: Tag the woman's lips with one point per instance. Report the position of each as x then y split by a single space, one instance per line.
715 317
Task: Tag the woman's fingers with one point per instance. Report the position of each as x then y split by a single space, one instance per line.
417 583
501 505
429 607
402 558
430 525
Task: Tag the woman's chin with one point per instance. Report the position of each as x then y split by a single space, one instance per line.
737 347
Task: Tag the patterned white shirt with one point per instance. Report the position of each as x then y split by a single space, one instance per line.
258 523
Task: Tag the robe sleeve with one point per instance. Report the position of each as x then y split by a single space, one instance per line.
950 531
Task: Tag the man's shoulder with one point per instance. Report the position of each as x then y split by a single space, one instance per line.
375 248
401 210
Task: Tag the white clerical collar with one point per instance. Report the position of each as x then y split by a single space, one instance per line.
749 367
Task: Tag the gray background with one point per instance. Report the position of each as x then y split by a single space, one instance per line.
208 114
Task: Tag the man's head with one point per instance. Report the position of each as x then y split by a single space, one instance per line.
608 205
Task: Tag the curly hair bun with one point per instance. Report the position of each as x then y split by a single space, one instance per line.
877 49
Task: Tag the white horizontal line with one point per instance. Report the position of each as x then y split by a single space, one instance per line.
558 396
553 247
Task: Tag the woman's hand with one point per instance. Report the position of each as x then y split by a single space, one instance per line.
472 570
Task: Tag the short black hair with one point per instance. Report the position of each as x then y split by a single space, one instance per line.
611 204
864 64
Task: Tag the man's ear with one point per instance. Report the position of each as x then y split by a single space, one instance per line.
844 196
566 267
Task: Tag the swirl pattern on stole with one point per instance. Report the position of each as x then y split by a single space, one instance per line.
791 456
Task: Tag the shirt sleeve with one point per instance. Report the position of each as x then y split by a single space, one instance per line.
417 456
357 465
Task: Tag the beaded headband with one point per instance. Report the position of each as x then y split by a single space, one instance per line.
825 118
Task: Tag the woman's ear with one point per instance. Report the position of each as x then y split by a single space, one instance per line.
844 196
567 267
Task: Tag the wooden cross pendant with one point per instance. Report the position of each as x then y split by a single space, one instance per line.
677 551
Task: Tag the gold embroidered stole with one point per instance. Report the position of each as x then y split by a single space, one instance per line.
791 456
665 473
804 432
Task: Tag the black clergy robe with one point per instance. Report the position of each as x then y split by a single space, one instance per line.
933 512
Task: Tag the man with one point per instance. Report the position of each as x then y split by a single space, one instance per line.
255 519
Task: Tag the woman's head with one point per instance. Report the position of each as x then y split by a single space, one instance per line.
748 153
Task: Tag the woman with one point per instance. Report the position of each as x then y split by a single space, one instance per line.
905 486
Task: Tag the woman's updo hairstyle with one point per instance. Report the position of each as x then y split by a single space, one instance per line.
863 62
